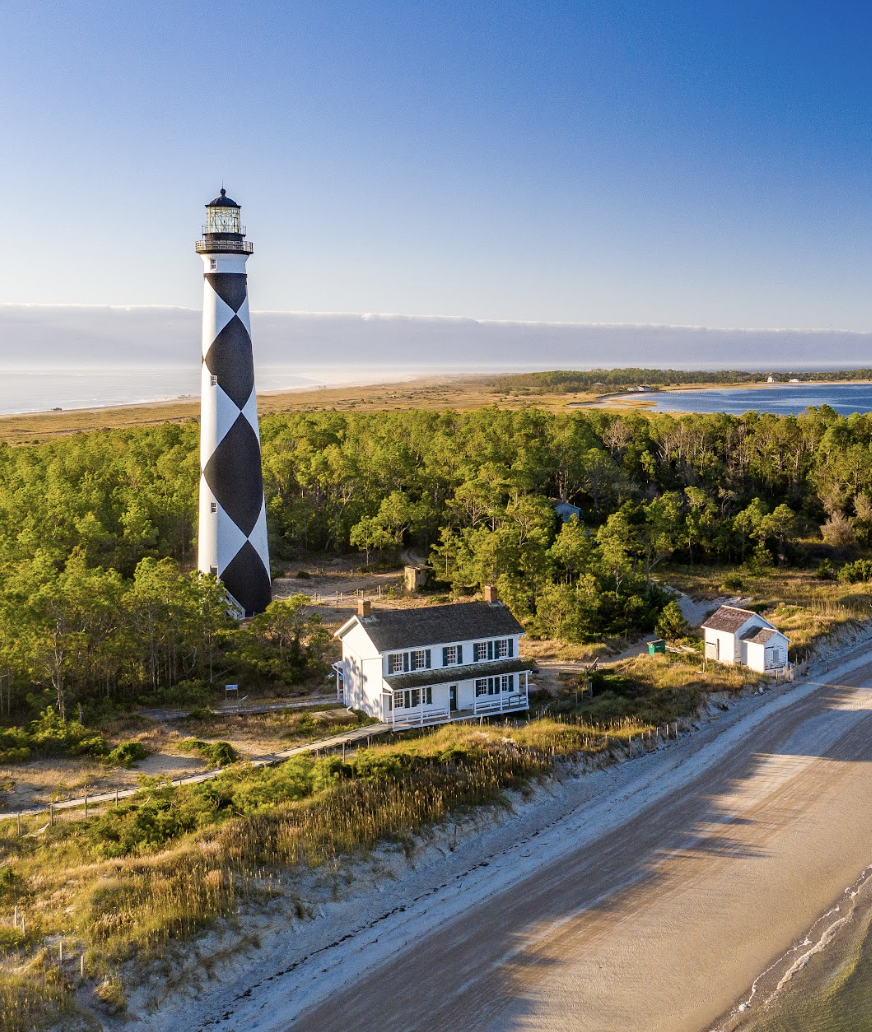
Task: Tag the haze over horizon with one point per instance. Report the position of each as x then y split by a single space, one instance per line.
322 345
665 164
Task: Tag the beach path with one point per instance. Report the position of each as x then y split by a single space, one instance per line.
662 922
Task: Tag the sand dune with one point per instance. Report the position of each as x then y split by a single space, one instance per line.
648 896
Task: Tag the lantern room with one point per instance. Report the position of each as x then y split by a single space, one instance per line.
223 231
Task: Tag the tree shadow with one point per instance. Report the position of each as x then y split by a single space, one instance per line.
485 970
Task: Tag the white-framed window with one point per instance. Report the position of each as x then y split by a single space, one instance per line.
213 379
405 662
418 660
213 507
409 698
452 655
213 263
494 685
501 648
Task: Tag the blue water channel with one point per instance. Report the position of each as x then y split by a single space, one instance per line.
790 399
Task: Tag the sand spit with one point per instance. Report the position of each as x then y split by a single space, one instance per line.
650 894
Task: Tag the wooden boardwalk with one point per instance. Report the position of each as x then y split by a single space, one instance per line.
352 737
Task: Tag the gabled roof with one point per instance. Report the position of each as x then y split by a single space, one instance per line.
760 635
450 674
391 629
731 618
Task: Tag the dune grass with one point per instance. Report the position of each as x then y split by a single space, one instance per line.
128 883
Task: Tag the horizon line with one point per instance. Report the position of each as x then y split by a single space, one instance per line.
373 316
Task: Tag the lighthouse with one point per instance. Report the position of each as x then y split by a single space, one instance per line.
232 540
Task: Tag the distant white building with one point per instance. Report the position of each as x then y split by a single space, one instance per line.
417 667
742 637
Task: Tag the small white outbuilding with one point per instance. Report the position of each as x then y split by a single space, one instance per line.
744 638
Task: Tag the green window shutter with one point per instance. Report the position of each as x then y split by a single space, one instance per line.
444 657
490 650
427 658
511 646
406 662
459 653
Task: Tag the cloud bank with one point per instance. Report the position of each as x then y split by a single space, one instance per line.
38 336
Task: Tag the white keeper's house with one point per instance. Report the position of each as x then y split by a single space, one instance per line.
417 667
742 637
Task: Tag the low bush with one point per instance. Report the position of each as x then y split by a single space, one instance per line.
49 735
856 572
217 754
126 754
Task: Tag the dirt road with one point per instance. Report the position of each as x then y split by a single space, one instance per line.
661 923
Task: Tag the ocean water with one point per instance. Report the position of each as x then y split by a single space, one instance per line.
823 983
790 399
40 389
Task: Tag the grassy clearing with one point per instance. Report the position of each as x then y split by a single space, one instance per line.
155 870
807 608
652 690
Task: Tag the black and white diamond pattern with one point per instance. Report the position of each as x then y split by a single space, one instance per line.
233 537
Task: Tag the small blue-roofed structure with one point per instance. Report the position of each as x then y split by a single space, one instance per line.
566 511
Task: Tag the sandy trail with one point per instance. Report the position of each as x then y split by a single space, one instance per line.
663 921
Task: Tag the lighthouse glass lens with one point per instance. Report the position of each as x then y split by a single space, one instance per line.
222 220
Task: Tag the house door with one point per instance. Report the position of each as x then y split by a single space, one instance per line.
452 698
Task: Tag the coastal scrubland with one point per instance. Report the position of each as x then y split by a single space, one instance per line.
90 902
101 615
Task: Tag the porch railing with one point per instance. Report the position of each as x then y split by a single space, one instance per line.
419 717
500 703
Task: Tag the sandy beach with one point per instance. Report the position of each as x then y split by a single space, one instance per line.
651 894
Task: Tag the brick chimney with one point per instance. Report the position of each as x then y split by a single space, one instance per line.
364 607
490 594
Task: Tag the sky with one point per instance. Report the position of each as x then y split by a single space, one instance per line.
700 164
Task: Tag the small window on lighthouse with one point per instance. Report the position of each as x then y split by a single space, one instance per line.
214 506
214 380
213 263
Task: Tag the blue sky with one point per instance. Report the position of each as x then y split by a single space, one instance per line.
559 160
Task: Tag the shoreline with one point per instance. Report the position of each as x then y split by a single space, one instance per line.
297 967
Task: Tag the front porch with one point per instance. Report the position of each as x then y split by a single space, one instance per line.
431 705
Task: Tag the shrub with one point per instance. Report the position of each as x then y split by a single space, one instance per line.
126 754
856 572
671 624
218 754
732 582
48 735
303 575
